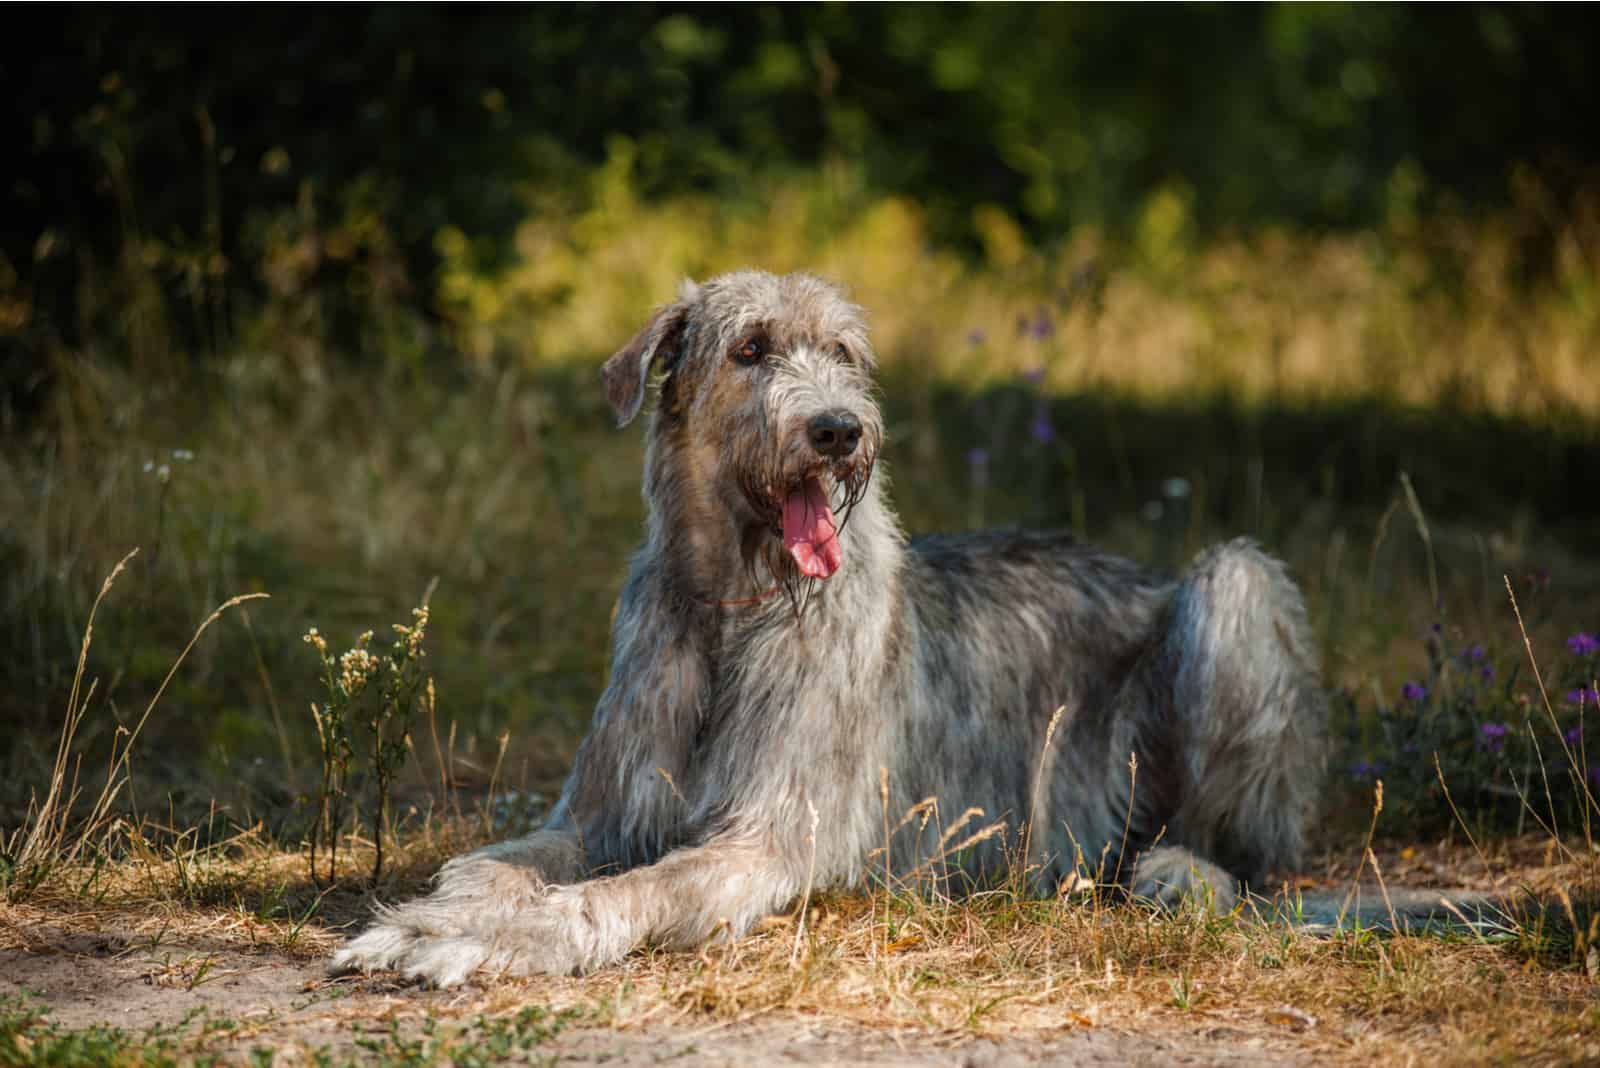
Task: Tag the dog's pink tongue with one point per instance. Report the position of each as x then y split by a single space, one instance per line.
809 532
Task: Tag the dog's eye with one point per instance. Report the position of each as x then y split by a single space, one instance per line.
842 353
750 351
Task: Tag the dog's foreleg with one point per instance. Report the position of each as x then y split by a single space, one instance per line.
723 886
680 901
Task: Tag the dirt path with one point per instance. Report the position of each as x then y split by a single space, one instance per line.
247 993
287 1004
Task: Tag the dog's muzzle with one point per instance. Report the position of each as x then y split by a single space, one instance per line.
834 434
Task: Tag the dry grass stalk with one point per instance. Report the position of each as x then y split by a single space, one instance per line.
1574 757
1415 507
1366 850
44 842
43 836
1039 779
805 897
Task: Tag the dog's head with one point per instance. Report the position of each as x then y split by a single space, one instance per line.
766 410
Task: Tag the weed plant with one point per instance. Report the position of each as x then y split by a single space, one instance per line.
380 692
1476 711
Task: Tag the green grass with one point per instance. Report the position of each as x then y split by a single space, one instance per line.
29 1038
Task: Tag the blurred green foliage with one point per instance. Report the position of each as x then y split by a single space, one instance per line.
183 142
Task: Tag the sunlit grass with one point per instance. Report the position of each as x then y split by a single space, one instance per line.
1411 314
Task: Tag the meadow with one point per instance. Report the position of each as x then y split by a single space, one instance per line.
1409 415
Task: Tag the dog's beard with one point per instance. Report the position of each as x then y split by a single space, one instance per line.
796 540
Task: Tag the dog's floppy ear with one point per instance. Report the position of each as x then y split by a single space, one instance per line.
628 372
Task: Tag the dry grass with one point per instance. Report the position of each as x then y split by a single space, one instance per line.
929 970
51 835
245 891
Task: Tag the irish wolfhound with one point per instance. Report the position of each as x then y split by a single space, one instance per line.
789 674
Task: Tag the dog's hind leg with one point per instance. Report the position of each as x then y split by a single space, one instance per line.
1243 731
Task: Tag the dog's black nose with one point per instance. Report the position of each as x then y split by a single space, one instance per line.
835 434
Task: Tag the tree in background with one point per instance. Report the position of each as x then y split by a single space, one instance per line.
178 140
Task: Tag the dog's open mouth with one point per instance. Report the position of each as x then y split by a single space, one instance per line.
804 511
810 533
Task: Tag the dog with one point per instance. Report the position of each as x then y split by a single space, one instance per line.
789 673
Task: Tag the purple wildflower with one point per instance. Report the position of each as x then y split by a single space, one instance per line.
1044 431
1486 673
1574 736
978 460
1583 695
976 336
1584 644
1474 653
1414 692
1033 375
1494 736
1042 326
1361 770
1594 774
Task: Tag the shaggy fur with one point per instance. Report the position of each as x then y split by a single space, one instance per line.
745 696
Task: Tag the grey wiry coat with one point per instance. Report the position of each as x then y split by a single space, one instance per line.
782 656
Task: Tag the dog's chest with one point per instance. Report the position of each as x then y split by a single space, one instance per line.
809 674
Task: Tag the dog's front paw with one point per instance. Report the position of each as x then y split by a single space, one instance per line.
440 961
443 962
1170 876
381 947
547 937
434 960
552 937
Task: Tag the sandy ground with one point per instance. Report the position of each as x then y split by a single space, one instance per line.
285 1001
